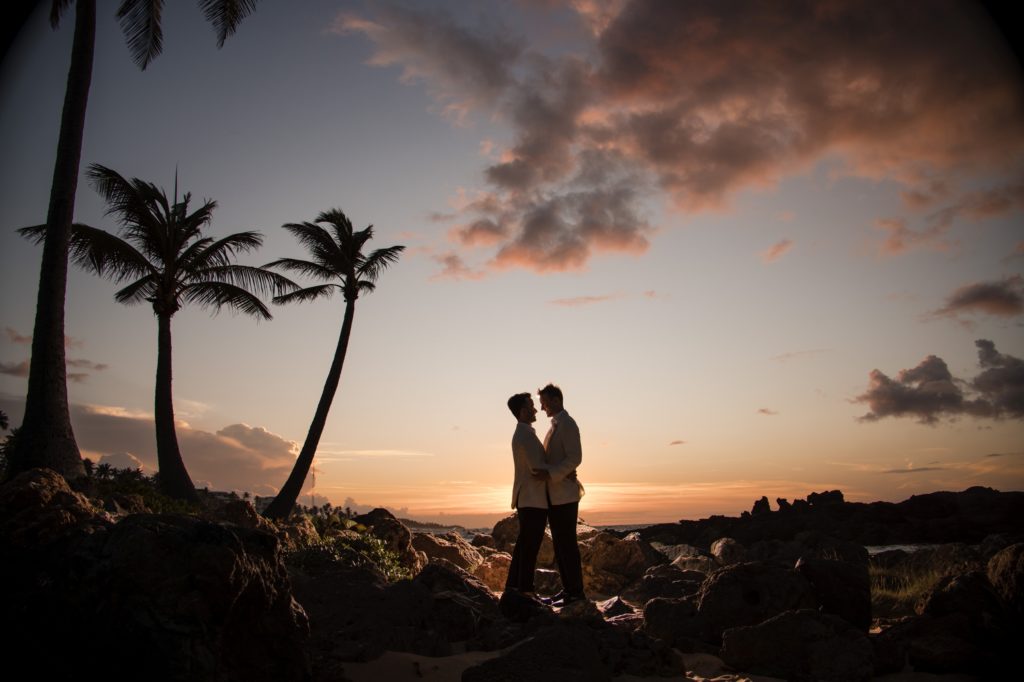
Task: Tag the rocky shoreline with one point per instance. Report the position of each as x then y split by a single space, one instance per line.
790 594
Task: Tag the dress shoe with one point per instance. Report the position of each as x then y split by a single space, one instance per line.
567 599
548 601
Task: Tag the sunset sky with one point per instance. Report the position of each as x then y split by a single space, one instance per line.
764 248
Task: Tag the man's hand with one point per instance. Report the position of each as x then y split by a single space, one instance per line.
540 474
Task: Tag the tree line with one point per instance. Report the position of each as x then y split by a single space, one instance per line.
161 255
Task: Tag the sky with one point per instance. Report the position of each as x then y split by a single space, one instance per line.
763 248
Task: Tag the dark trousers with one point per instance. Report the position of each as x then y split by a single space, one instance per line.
562 518
524 555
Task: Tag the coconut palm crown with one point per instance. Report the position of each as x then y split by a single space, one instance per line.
166 260
339 261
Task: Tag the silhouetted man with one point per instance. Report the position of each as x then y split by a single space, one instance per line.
529 495
563 454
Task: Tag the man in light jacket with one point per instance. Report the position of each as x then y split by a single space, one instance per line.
563 453
529 495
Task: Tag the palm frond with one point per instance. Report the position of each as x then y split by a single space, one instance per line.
303 267
251 278
191 252
307 294
140 23
316 240
57 11
365 286
225 15
34 233
106 254
219 294
378 261
222 251
140 290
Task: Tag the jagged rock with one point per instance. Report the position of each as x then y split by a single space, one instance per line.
673 552
783 503
38 507
701 564
967 594
554 654
727 551
828 498
243 513
749 593
450 546
483 540
183 598
843 589
761 507
610 563
613 607
807 544
297 531
801 645
123 504
673 620
1005 572
547 582
493 570
383 524
664 580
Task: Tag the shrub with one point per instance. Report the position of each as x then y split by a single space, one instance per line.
363 550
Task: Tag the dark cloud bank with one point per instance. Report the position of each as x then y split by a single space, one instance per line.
929 392
701 99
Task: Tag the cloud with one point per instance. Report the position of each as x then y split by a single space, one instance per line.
704 99
464 69
1003 298
455 268
579 301
767 412
776 251
911 470
799 354
929 392
678 442
237 457
15 337
123 460
14 369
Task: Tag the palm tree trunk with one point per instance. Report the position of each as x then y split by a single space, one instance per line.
174 479
282 505
46 438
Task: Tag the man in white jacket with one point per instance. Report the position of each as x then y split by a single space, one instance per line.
563 453
529 495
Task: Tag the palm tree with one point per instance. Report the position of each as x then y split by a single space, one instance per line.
162 252
337 258
46 438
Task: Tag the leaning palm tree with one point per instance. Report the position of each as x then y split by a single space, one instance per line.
162 252
47 438
338 258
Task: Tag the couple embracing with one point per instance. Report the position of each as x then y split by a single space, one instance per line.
546 491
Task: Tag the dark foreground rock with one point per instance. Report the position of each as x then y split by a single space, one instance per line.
801 645
159 597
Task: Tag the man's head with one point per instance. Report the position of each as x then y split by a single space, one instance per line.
550 399
521 406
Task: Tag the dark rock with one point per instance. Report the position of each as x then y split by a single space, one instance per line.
749 593
673 620
614 607
1005 572
520 608
783 503
843 589
243 513
727 551
761 507
800 645
610 563
483 540
969 594
554 654
507 530
829 498
38 507
383 524
663 581
450 546
493 570
184 599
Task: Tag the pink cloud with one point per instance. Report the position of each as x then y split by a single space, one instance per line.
776 251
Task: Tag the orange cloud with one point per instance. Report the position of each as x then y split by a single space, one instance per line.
776 251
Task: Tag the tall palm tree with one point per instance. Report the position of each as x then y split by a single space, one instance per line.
162 252
337 258
46 438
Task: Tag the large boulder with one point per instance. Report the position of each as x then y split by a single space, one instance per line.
801 645
493 570
727 551
1005 572
555 654
664 580
676 621
183 598
610 563
382 524
38 507
749 593
505 533
450 546
843 589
